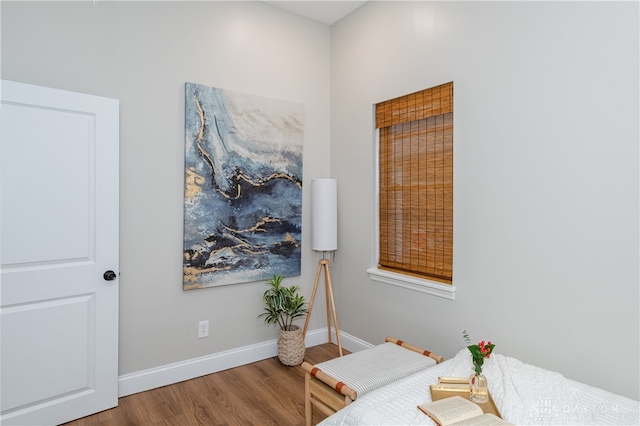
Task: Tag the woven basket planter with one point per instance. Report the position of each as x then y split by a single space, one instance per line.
291 346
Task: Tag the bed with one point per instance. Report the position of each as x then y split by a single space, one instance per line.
524 394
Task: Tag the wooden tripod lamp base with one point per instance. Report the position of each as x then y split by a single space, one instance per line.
324 265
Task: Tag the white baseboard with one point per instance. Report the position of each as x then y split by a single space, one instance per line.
141 381
349 342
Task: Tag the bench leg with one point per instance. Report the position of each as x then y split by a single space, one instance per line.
308 410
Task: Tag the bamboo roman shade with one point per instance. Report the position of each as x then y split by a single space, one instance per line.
416 183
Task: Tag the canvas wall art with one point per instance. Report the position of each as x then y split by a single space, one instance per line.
243 187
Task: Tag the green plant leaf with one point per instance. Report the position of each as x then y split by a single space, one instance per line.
282 304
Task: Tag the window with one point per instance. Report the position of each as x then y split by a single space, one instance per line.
416 184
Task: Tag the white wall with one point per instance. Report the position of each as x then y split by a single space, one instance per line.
142 53
546 194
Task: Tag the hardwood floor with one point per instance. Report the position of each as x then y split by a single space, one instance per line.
263 393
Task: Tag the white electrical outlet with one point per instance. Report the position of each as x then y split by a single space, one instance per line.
203 329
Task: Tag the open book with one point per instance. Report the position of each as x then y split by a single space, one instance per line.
458 411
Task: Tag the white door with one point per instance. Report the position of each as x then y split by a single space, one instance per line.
58 236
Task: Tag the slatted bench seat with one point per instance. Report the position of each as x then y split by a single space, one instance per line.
333 384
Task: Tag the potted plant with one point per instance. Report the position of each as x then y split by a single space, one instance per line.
282 306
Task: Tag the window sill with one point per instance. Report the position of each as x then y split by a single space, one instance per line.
447 291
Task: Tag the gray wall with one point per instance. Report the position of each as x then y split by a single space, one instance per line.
142 53
545 175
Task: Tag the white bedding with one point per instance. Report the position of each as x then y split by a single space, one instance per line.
524 394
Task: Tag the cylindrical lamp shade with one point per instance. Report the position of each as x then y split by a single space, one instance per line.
324 214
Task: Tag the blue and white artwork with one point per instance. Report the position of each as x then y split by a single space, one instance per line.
243 187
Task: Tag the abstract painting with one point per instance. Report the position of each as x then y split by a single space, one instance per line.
243 187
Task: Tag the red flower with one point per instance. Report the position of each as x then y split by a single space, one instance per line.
479 352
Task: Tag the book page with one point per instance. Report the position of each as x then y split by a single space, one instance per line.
487 419
449 410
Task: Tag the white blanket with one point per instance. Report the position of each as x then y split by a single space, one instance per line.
523 393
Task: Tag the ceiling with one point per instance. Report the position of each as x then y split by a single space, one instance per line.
326 12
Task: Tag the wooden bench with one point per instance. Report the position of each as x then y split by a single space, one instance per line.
331 385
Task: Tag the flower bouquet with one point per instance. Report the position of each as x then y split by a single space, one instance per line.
478 382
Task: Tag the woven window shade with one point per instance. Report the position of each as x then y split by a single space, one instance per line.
416 183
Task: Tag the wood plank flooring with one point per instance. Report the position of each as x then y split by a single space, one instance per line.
262 393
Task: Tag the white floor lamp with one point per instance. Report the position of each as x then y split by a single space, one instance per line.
324 238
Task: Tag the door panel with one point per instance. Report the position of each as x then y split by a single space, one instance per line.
59 233
59 329
49 185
